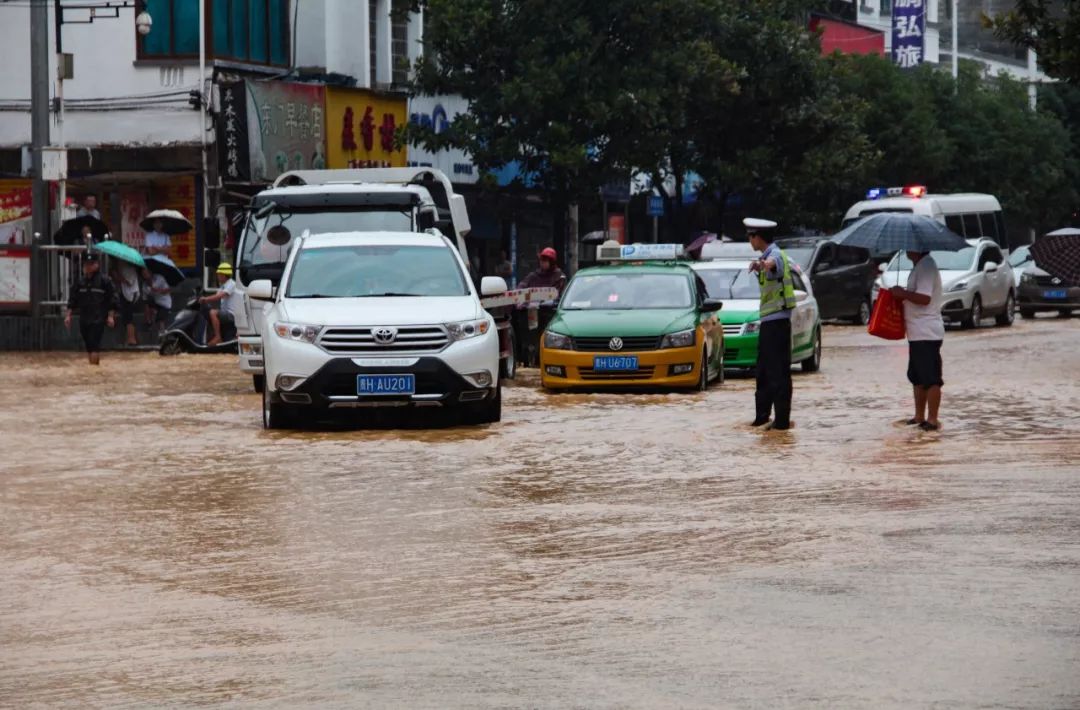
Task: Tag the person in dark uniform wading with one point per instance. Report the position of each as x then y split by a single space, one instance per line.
94 299
773 270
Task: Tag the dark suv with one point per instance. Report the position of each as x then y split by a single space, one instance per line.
842 276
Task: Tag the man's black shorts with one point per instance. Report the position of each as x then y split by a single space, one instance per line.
127 311
91 335
924 363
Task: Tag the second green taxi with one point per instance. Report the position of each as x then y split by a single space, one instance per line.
642 320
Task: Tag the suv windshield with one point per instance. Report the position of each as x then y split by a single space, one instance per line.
1022 255
963 260
727 284
625 291
376 270
266 241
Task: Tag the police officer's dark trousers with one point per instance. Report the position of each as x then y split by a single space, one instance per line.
774 372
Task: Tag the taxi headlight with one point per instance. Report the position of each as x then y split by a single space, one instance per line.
467 329
297 331
752 327
682 339
557 341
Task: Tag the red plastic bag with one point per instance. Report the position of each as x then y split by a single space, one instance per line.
887 318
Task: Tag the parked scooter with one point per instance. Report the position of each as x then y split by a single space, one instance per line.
188 330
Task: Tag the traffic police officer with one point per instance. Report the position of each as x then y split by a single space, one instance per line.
774 339
94 298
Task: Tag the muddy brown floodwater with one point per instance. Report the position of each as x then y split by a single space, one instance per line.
157 548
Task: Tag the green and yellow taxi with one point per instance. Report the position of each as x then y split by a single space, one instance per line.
730 281
641 320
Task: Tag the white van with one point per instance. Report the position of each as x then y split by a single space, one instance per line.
971 215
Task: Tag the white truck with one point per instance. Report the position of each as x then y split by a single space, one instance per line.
313 202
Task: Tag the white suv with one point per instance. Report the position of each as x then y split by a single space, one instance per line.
377 319
976 282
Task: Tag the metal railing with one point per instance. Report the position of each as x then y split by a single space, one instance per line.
62 265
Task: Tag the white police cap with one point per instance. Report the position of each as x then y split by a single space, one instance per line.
753 223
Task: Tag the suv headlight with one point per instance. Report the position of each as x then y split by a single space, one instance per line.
958 286
557 341
1026 278
297 331
752 327
467 329
682 339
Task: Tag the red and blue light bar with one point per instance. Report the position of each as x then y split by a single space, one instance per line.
916 191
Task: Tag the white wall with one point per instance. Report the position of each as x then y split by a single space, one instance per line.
347 46
104 68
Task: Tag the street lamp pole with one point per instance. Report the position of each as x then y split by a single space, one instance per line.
39 138
955 22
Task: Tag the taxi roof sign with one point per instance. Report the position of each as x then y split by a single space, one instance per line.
613 251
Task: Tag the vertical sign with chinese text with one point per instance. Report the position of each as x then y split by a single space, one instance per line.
232 133
287 128
908 30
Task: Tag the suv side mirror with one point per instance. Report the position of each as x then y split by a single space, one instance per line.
711 305
261 290
990 267
492 286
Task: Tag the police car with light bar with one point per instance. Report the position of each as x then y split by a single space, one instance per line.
971 215
642 319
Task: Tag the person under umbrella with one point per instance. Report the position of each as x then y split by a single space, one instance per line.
157 241
918 236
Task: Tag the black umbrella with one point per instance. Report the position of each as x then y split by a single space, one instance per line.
71 231
173 275
1058 254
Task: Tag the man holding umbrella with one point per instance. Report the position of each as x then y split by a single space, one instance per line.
925 333
917 235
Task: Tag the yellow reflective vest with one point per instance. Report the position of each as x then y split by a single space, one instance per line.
777 294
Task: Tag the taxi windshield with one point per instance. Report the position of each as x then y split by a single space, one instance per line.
730 284
625 291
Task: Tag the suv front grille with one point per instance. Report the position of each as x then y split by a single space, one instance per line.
633 344
409 339
1046 281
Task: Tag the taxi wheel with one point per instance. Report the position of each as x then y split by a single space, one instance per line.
813 363
703 374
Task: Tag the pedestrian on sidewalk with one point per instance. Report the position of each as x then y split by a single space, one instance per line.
88 208
157 243
158 300
94 299
925 333
773 269
130 292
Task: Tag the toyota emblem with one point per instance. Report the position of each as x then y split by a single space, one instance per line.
615 343
385 336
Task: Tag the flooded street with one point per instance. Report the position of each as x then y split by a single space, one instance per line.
159 548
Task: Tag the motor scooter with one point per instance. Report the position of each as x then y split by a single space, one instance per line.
187 332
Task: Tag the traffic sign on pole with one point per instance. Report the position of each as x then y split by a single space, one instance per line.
656 206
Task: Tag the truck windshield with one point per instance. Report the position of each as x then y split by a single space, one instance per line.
371 271
622 292
266 242
728 284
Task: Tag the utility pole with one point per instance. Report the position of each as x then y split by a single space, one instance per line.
955 34
39 138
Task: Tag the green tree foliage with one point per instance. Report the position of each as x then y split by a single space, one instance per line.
1051 28
975 135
